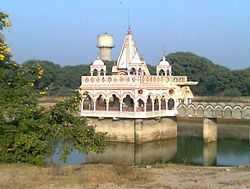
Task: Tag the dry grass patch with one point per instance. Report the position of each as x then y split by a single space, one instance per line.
74 177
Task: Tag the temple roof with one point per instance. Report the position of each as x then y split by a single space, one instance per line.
129 53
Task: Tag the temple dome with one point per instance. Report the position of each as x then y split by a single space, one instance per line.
164 62
98 62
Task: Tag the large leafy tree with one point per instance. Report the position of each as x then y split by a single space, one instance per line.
4 49
28 133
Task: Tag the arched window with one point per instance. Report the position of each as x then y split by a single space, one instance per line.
132 71
140 71
95 72
114 103
88 103
149 105
171 104
161 72
101 103
163 103
140 105
156 104
102 73
128 104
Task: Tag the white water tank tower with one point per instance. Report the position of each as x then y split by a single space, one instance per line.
105 43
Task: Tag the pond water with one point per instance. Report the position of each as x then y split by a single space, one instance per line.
183 150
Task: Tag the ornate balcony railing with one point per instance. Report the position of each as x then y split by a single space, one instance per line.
130 80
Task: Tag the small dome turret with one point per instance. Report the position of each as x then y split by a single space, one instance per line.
164 68
164 62
98 62
98 67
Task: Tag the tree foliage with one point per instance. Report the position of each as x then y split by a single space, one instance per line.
28 133
4 49
213 79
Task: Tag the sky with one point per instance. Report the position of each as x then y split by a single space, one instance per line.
65 32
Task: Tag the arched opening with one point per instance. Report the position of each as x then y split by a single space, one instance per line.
156 104
191 111
140 106
140 72
114 103
246 113
237 114
128 104
149 105
87 103
200 111
161 72
168 72
100 103
132 71
163 103
171 104
218 112
182 110
227 113
95 72
102 73
208 112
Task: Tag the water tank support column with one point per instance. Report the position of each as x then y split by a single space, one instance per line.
209 130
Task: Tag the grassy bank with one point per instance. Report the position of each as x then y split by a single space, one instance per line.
121 176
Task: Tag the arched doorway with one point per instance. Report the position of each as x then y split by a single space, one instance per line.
149 105
156 104
87 103
163 104
171 104
140 105
114 103
128 104
100 103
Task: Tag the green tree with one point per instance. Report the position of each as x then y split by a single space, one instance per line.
28 133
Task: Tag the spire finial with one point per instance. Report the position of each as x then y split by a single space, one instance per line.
129 25
129 30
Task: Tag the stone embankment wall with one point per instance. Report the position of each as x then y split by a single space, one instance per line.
136 130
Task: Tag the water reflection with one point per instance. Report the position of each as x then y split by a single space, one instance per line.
148 153
210 154
184 150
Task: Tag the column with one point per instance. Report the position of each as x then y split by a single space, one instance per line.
135 105
120 105
107 105
159 104
94 105
175 104
166 101
209 130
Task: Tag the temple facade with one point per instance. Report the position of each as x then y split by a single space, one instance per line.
131 91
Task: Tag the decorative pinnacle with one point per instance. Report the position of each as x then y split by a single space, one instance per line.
129 30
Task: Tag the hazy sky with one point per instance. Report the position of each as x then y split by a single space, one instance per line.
65 31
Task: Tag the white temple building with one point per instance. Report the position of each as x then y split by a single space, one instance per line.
131 91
